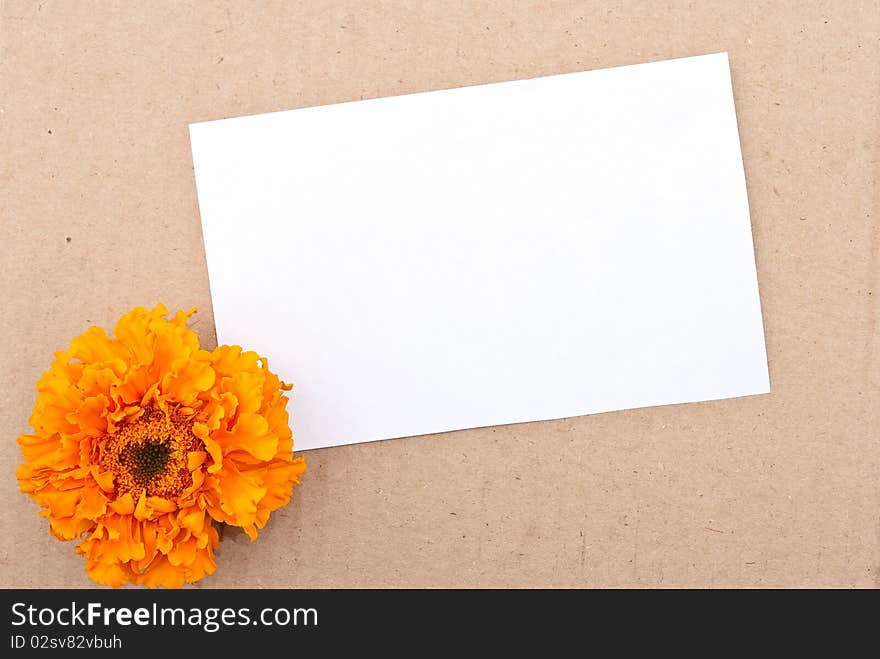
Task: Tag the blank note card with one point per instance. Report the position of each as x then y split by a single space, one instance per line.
495 254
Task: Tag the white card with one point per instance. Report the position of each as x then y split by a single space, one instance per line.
495 254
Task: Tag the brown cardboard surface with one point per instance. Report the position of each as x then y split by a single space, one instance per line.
99 213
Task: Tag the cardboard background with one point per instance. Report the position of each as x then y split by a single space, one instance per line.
99 214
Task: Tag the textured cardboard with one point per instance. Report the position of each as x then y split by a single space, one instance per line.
99 214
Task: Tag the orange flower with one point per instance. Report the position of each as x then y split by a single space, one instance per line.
141 442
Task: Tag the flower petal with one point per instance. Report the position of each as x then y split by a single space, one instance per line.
251 434
187 379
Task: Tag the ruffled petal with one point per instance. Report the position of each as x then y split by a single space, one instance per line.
161 573
251 434
188 378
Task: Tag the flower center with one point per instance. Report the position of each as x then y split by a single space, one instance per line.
145 461
150 453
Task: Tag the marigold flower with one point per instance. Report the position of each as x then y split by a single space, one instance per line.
143 440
